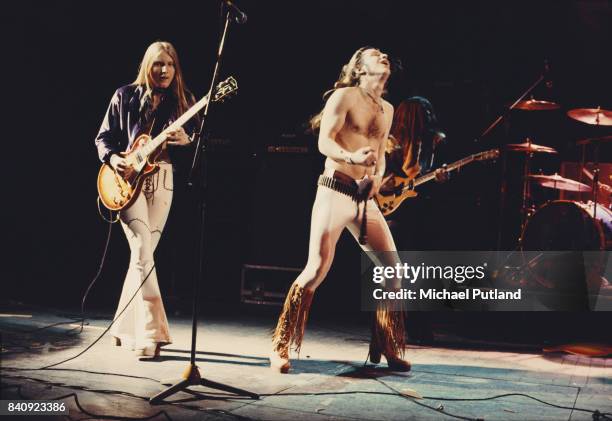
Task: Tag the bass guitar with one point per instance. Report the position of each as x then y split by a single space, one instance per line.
117 193
403 187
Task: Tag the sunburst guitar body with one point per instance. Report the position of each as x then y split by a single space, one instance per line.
117 193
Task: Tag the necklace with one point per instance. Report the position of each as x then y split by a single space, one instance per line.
378 103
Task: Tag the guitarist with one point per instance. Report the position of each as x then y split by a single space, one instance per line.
413 140
156 98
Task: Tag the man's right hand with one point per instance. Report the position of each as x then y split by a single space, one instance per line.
365 156
120 165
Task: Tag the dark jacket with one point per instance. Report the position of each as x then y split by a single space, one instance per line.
128 116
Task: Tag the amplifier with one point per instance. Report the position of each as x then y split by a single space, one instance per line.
267 285
287 149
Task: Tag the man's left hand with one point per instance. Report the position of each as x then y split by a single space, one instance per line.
178 137
442 175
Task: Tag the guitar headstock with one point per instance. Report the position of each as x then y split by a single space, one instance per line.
225 89
487 155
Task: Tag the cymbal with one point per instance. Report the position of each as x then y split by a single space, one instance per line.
594 139
529 147
537 105
559 183
595 116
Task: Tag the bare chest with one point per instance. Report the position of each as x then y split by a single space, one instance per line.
366 120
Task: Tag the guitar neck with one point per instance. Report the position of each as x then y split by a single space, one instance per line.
455 165
150 146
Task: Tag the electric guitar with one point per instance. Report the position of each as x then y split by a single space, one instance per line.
403 187
116 192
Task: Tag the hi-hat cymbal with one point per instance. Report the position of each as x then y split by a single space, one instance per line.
595 116
594 140
559 183
529 147
537 105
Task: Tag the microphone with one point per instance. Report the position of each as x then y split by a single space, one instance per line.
547 77
396 64
240 17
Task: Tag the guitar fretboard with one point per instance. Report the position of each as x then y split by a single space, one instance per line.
457 164
148 148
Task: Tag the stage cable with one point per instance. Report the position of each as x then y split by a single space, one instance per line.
116 392
100 336
78 404
82 319
596 414
101 265
108 327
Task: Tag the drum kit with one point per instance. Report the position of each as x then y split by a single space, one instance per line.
565 224
563 244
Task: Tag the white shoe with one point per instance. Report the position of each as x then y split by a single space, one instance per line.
149 352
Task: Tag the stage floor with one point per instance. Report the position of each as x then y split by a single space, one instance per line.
328 382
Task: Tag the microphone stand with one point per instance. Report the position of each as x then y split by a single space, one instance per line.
503 188
505 113
191 376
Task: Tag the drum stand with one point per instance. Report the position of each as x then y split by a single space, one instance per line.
595 172
595 179
601 118
526 209
503 187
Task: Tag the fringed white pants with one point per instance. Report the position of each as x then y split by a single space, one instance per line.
331 213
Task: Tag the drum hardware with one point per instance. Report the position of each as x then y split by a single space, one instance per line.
596 117
597 229
560 183
592 116
603 186
529 148
526 190
594 139
595 182
537 105
568 225
519 102
564 225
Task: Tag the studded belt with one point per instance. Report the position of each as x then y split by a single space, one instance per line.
359 192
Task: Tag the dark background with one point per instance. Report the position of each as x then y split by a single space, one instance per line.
63 60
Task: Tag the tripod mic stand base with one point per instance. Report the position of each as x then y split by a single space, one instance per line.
191 377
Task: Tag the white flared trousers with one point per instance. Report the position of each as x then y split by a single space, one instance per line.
144 320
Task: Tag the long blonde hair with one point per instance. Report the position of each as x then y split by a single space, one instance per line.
350 75
183 97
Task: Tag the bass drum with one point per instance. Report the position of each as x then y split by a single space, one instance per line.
567 225
575 266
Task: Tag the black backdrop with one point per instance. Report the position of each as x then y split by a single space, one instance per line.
63 60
